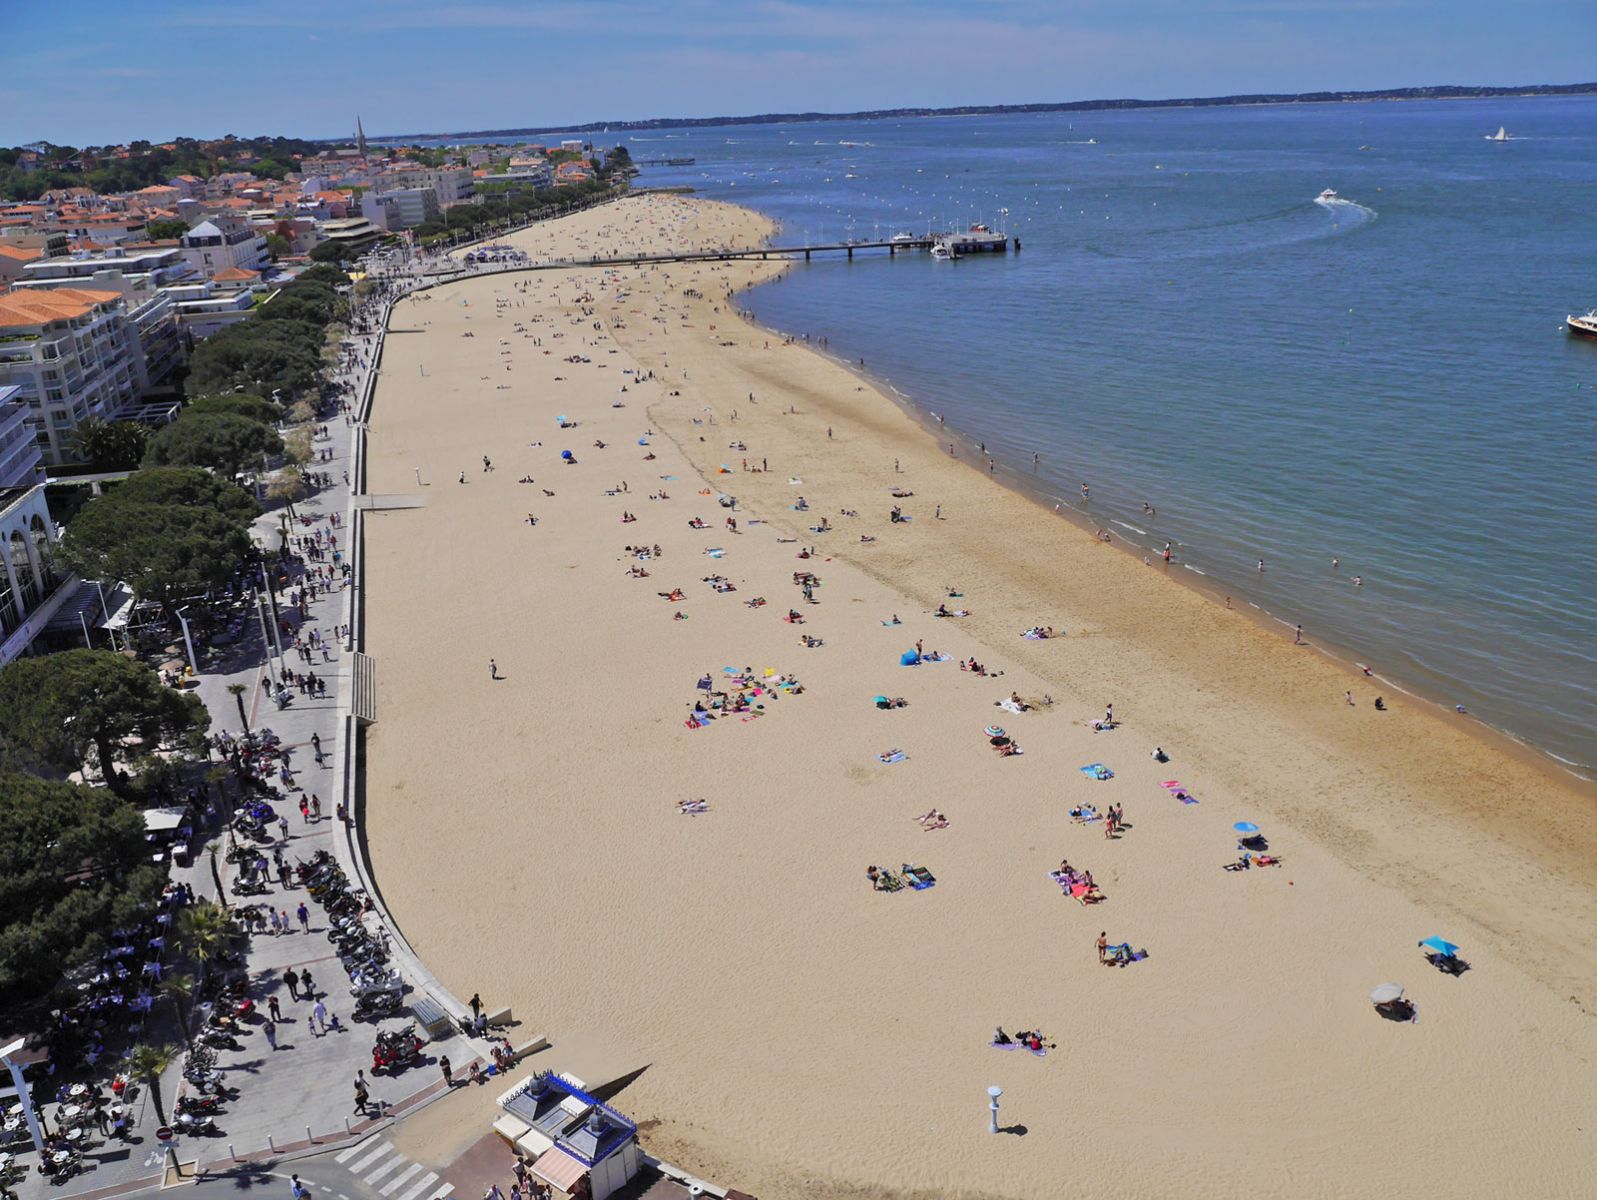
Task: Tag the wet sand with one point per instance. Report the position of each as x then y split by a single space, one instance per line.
802 1033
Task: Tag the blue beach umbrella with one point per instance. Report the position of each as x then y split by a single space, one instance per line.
909 658
1247 827
1443 947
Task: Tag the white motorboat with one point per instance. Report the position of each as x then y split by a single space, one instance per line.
1584 326
1327 196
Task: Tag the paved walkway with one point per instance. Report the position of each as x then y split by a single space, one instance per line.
299 1096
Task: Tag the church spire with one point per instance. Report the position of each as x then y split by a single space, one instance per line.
360 137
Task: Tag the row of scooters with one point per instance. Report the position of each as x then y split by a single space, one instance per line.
376 987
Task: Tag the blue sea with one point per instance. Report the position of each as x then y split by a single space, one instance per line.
1383 379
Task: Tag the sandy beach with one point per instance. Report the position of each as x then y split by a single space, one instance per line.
799 1033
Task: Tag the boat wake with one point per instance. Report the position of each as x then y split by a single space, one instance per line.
1347 214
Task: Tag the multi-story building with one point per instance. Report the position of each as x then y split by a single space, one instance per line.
73 353
223 241
451 184
402 209
31 590
144 278
21 464
357 232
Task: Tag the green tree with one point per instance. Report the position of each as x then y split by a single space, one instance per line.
204 931
76 865
224 442
147 1064
189 487
255 408
278 246
55 708
166 230
110 445
335 252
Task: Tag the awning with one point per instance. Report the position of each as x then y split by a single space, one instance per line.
559 1168
163 820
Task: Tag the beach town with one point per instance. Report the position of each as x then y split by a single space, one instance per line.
710 780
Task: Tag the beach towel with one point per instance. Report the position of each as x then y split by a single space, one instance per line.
1097 771
892 756
1176 789
919 878
1011 706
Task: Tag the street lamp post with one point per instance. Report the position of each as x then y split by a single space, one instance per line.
188 641
992 1108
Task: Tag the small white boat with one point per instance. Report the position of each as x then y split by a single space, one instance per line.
1583 326
940 251
1500 136
1327 196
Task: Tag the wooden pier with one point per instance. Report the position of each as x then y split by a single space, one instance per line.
806 252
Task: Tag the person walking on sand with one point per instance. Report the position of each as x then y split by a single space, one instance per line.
1349 696
1103 946
493 669
1297 637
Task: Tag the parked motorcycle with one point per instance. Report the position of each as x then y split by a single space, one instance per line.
377 1004
394 1051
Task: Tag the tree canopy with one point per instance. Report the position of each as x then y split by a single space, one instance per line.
76 866
55 708
110 445
166 533
225 442
254 407
278 347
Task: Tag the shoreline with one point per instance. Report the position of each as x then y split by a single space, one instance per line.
739 956
1012 478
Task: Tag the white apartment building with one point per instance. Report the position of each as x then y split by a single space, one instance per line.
450 184
72 353
20 460
145 279
405 208
30 589
224 241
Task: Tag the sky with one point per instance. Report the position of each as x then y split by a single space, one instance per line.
105 71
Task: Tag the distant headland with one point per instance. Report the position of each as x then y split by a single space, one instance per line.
1438 92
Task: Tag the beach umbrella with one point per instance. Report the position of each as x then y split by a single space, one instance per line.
881 700
1387 993
909 658
1246 827
1443 947
994 731
561 419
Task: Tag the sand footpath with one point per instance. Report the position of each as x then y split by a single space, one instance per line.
802 1033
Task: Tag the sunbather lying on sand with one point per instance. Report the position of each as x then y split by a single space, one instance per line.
932 820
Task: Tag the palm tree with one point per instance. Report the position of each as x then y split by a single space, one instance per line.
148 1063
178 987
204 931
237 691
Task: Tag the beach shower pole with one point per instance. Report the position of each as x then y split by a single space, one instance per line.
992 1108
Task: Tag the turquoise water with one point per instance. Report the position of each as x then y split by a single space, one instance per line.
1383 380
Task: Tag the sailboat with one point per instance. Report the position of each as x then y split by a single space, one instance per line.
1500 136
